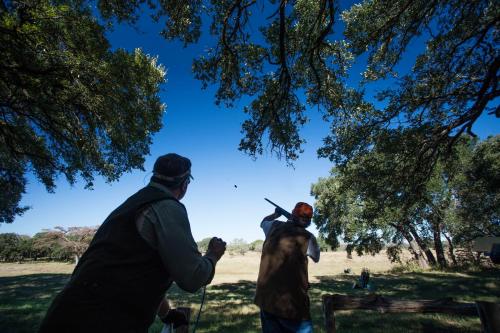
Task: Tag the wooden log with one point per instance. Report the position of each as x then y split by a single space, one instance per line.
329 314
384 304
184 328
489 313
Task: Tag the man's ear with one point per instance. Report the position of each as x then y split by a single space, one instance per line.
185 185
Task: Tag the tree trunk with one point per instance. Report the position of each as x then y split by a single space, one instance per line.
477 258
414 248
451 249
419 256
438 244
428 253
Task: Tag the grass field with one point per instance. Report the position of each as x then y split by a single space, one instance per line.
27 289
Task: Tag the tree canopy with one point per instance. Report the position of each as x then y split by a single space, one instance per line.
364 206
68 104
296 59
452 82
293 60
57 244
397 155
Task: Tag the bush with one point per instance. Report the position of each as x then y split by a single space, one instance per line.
9 247
394 253
239 246
203 244
323 245
410 266
256 245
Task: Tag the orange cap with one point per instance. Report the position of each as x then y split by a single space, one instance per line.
303 210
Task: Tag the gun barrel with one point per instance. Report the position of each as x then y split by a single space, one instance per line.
282 211
272 203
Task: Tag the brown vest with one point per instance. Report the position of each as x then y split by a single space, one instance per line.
283 282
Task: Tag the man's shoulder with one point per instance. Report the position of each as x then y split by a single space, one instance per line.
160 190
269 225
169 202
269 222
170 205
311 235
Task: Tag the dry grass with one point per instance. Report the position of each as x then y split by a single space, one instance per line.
15 269
27 289
232 268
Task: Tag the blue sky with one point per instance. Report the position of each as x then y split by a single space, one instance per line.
209 136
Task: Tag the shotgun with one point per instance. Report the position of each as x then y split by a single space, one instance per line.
279 209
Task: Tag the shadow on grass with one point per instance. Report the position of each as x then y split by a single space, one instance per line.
229 307
24 300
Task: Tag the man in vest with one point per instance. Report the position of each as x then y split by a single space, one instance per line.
282 284
141 248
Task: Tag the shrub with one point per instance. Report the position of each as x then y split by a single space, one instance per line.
239 246
256 245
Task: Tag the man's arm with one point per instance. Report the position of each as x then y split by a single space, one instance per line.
268 221
273 216
177 248
313 249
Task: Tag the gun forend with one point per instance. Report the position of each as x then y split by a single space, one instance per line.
280 210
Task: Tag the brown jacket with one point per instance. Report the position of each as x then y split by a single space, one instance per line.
283 280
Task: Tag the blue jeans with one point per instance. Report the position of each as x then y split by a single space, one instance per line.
273 324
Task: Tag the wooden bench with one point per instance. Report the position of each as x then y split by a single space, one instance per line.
488 312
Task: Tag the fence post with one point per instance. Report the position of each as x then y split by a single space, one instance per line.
329 314
489 313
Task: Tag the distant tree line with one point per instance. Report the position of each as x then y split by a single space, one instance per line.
236 246
68 244
59 244
241 246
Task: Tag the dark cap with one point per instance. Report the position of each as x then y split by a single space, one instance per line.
172 168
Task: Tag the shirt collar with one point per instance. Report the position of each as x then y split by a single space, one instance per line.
160 187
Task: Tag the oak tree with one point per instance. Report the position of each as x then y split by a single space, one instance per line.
287 55
69 105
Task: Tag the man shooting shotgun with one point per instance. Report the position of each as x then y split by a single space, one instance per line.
282 284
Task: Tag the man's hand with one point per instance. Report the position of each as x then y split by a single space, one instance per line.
277 213
216 248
